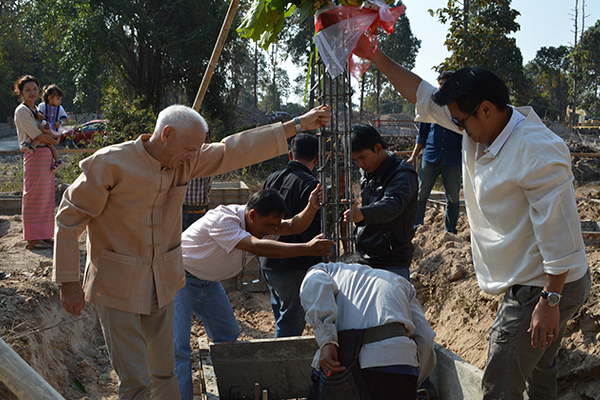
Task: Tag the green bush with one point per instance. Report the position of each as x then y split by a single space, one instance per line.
126 120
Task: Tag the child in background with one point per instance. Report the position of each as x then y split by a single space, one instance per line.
54 115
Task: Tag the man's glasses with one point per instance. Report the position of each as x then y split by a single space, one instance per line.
461 124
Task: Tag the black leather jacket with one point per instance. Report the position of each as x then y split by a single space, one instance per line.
389 201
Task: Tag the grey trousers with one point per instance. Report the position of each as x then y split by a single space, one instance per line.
142 351
514 366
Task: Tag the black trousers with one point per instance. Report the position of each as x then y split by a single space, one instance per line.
381 385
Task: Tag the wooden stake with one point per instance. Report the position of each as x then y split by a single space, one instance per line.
21 379
215 54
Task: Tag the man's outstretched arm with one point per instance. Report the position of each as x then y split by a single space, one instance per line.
405 81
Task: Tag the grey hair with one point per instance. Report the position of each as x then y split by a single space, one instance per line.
179 116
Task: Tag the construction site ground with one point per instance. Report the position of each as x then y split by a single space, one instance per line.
69 352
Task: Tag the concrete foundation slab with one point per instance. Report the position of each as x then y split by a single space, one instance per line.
283 367
454 378
280 365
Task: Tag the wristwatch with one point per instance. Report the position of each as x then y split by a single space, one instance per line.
552 298
297 125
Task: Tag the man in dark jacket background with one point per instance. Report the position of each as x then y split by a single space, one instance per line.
284 275
385 220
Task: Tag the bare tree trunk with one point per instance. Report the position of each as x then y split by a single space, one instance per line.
378 86
255 75
465 45
362 95
575 61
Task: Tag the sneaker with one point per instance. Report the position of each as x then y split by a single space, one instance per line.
57 164
26 146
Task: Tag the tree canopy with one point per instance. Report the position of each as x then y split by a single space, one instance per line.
478 36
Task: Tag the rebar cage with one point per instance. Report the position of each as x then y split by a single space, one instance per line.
335 158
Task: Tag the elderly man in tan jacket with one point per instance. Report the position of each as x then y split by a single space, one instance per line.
129 196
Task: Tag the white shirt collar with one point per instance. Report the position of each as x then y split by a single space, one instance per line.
515 120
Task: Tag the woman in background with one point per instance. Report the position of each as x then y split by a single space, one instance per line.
38 177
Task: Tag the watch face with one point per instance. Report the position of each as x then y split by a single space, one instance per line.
553 299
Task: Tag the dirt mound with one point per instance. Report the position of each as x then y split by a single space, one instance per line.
461 314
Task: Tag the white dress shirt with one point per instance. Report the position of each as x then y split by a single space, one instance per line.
520 201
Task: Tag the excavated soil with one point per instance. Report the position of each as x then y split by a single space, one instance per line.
70 354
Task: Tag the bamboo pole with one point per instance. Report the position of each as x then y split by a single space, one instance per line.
215 54
21 379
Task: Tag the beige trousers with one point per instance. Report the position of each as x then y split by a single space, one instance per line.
142 351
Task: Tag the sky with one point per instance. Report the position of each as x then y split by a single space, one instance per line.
543 23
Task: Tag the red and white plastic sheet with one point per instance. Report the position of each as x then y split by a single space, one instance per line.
338 30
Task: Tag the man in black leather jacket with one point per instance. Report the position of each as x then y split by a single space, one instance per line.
384 221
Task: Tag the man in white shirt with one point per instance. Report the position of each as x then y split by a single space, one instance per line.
217 247
340 298
525 230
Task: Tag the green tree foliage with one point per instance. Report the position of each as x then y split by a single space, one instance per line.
274 87
148 48
126 120
479 37
548 72
589 47
22 51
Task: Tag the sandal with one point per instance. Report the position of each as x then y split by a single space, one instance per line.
38 245
27 147
57 164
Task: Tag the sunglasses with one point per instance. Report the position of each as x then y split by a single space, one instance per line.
461 124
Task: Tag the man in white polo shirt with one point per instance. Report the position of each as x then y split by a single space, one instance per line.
525 229
217 247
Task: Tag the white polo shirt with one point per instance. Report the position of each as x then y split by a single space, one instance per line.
208 245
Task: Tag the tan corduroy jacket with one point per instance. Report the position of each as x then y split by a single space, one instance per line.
132 210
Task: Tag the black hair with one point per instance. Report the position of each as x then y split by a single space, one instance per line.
305 146
352 258
445 74
365 137
50 91
469 86
265 202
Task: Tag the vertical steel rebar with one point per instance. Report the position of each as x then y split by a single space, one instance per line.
335 158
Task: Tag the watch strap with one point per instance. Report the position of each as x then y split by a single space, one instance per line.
297 124
546 295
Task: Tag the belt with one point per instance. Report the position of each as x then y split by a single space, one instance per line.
382 332
194 209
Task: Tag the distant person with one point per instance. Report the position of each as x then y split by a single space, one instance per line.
197 197
129 197
284 275
55 115
525 228
441 156
369 315
385 220
216 248
38 179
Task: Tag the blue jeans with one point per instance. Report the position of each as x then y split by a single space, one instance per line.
208 301
402 271
451 179
285 301
189 218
